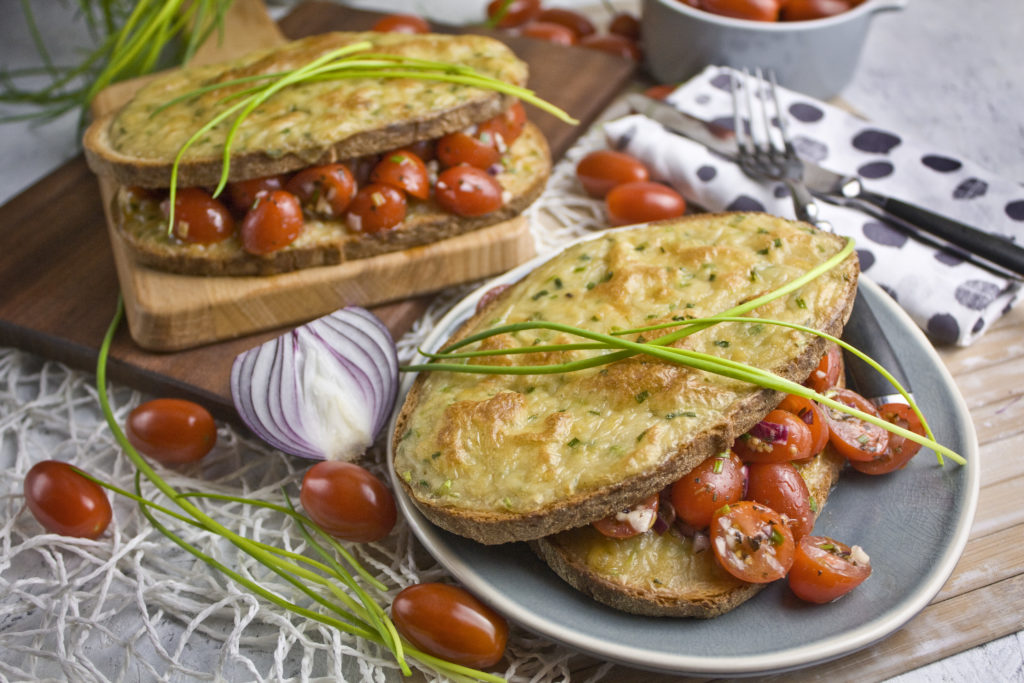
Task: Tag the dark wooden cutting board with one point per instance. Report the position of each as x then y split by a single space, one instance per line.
58 285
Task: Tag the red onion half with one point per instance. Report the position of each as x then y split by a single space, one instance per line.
322 391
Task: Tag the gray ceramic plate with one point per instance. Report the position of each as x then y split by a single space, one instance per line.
913 524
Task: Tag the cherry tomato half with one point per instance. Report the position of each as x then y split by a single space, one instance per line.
613 44
826 375
851 436
243 194
467 191
450 623
171 430
65 502
626 25
348 501
402 23
513 12
376 207
824 569
810 414
780 486
755 10
804 10
752 542
505 128
549 31
601 170
632 521
272 224
574 21
780 437
900 449
460 148
404 170
324 190
199 218
707 487
642 201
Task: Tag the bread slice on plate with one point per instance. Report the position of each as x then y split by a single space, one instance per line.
501 458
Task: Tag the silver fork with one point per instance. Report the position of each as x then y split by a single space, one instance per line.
763 155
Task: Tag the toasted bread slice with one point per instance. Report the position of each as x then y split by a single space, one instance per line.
500 458
142 225
307 124
661 574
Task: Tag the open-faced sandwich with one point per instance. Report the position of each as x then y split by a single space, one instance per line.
541 456
395 141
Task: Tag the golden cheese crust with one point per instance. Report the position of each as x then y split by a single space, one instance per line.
502 458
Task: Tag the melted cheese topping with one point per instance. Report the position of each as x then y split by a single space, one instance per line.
305 118
520 443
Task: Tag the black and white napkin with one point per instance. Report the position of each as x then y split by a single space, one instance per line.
947 295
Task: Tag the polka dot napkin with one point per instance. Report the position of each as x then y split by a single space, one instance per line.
947 295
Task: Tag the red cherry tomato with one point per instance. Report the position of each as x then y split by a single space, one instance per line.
601 170
752 542
761 444
505 128
810 414
376 207
642 201
780 486
851 436
660 91
402 23
65 502
804 10
626 25
459 148
755 10
574 21
448 622
324 190
900 449
630 522
244 193
513 12
171 430
405 170
613 44
826 375
707 487
551 32
199 218
272 224
824 569
348 501
467 191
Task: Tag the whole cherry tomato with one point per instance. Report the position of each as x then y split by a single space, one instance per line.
603 169
715 482
752 542
574 21
450 623
505 128
513 12
402 23
324 190
65 502
171 430
804 10
348 501
376 207
755 10
642 201
826 375
272 224
549 31
824 569
243 194
613 44
780 486
467 191
460 148
811 415
780 437
900 449
199 218
405 170
626 25
854 438
630 522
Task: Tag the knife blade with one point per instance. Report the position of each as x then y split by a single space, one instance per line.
846 190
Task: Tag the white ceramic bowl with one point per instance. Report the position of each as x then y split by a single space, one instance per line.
815 57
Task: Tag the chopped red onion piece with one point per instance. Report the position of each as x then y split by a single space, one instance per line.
770 432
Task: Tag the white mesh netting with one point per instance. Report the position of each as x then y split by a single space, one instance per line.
132 606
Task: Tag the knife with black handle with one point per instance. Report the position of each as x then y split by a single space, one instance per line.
864 332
